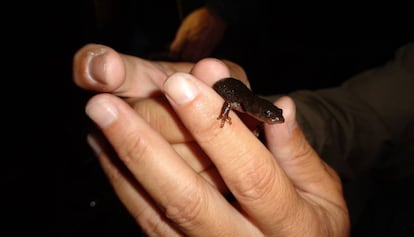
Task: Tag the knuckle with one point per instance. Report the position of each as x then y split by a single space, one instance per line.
132 147
185 209
256 181
153 225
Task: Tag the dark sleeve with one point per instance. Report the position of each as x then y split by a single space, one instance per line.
354 125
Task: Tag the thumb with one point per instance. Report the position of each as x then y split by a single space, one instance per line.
296 156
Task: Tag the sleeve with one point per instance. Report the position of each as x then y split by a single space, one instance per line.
353 125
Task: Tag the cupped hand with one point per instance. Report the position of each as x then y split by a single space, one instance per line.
283 189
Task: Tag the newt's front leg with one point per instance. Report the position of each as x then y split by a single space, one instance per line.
224 115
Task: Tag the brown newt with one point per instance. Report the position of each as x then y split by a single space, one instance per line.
239 97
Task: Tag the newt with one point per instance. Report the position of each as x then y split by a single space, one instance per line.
237 96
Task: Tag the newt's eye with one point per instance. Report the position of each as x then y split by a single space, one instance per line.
268 113
273 115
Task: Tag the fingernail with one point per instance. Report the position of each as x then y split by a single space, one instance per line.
102 112
94 144
180 88
97 65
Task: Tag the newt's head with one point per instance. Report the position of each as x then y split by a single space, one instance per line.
269 113
273 115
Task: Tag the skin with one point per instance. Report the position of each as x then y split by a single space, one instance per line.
174 171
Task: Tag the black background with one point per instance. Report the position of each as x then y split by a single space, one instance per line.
60 178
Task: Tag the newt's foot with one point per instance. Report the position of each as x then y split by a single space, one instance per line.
224 119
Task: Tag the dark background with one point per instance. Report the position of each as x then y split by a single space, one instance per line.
288 49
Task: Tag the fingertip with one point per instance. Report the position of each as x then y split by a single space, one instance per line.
279 134
210 70
287 104
180 88
98 67
102 110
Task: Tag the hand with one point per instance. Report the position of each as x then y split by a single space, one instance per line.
198 35
170 186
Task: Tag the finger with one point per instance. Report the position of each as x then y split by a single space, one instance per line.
100 68
209 70
247 167
298 159
140 206
164 120
183 196
195 157
158 112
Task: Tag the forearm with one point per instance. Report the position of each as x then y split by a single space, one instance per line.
350 126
